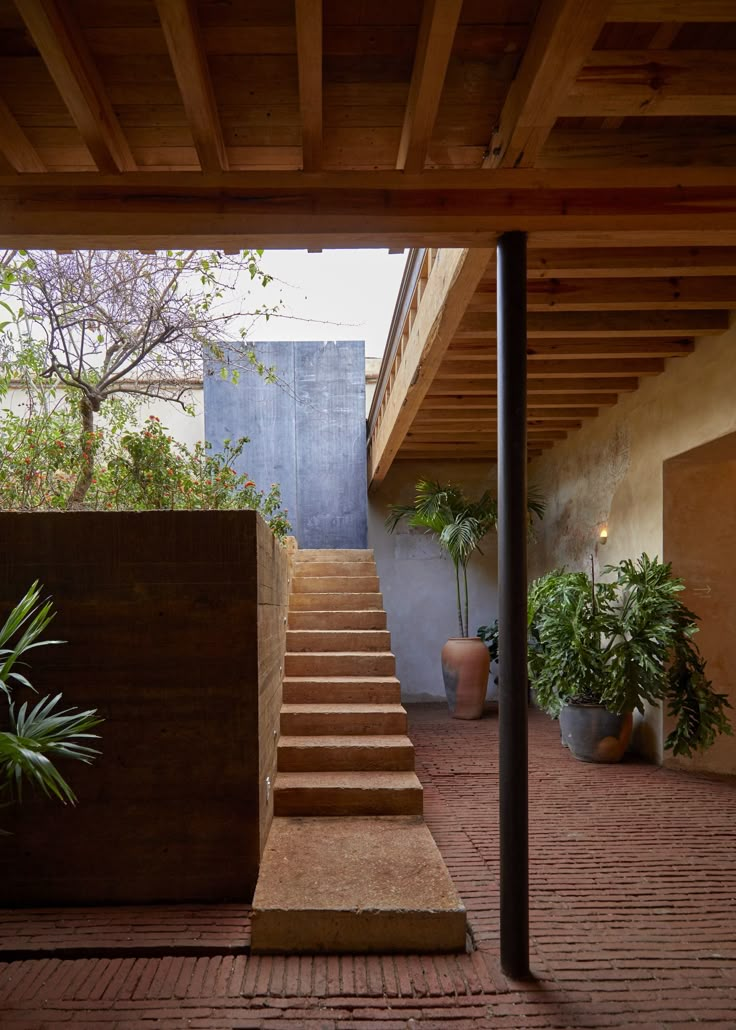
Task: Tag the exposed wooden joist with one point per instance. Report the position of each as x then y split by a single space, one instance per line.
447 400
686 293
672 10
15 145
571 385
563 36
434 47
633 83
479 416
635 347
603 324
69 62
309 58
451 284
474 371
180 24
639 262
292 210
585 147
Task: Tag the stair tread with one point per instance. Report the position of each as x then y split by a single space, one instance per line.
362 780
353 708
340 679
373 740
343 654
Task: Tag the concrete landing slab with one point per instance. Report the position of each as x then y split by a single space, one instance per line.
360 885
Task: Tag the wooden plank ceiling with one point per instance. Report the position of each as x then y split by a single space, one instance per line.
378 122
605 129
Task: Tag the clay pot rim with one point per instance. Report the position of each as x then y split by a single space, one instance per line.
465 638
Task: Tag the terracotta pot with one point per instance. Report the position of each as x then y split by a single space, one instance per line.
593 734
465 667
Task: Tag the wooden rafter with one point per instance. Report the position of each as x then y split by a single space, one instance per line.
188 57
15 145
635 262
672 10
686 293
309 57
69 62
603 324
562 38
434 47
451 283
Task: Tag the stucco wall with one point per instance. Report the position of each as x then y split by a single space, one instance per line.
418 581
610 471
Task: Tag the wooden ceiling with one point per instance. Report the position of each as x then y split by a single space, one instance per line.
374 122
599 322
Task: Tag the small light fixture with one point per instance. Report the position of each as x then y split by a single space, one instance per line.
603 535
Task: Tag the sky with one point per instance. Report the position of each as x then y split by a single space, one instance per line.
335 295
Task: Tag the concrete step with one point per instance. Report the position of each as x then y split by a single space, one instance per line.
355 885
354 753
337 620
335 568
338 640
339 663
347 793
321 719
341 690
358 601
302 584
333 554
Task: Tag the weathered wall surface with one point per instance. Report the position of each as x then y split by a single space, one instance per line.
162 613
307 433
699 535
418 581
610 471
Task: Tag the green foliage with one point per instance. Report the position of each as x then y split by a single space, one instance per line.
39 735
133 469
458 523
620 644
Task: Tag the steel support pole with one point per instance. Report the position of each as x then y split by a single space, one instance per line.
512 601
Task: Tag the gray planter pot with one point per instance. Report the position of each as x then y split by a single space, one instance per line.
593 734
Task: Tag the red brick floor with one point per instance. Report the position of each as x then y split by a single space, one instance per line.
633 919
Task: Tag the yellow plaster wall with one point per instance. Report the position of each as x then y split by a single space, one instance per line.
610 471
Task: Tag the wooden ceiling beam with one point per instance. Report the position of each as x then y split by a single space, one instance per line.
671 83
182 32
64 52
672 10
434 47
556 385
635 262
309 58
474 371
563 35
635 347
604 324
479 416
298 210
15 146
685 293
446 400
451 283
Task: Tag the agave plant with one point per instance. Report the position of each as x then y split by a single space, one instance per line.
44 732
458 523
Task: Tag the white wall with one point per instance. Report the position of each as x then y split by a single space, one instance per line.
418 581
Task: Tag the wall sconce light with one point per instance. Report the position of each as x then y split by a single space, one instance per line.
603 535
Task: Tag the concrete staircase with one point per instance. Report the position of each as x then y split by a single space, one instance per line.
349 864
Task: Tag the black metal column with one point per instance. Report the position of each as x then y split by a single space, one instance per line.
512 601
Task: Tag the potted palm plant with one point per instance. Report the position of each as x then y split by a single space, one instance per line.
600 650
459 524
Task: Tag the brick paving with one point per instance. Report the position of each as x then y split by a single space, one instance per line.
633 919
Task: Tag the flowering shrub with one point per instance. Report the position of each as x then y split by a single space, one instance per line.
135 470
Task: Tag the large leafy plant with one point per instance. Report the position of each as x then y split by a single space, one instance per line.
621 643
458 523
37 736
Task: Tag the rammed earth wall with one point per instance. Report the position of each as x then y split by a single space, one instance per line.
175 623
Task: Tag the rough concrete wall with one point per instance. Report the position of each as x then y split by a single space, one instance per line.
160 611
610 471
307 434
418 581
